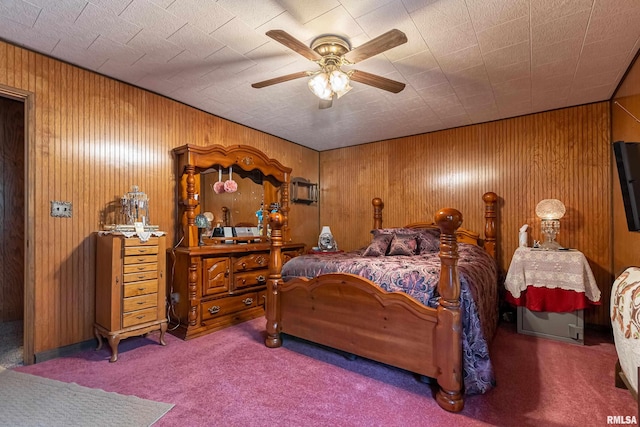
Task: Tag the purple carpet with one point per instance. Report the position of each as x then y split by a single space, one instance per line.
229 377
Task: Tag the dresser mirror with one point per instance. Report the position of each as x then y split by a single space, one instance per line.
235 209
257 181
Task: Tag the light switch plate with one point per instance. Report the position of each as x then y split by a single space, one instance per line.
61 209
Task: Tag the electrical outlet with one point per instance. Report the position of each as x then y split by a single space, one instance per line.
61 209
175 298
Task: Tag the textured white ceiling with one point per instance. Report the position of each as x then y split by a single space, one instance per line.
466 61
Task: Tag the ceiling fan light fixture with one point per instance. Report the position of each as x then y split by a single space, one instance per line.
339 81
319 86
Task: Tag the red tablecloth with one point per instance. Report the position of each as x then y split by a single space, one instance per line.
554 281
554 300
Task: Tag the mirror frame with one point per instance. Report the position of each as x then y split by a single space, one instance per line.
193 159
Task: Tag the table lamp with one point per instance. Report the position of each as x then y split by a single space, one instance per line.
550 211
202 223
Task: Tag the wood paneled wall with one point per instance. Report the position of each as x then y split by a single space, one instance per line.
563 154
625 127
94 138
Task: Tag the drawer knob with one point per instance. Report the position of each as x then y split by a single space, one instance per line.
214 309
261 278
247 301
244 265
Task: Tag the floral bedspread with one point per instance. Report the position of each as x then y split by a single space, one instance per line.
418 275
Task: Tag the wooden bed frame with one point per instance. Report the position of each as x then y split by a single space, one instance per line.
352 314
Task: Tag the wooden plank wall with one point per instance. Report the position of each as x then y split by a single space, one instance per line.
94 138
561 154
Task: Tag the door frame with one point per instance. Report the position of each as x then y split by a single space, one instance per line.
28 99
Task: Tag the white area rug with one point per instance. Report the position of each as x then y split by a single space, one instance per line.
29 400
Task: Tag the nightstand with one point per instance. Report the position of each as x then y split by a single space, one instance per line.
551 289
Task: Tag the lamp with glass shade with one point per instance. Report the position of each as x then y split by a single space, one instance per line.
329 82
550 211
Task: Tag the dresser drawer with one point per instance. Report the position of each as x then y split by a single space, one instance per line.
140 259
139 317
251 278
136 268
223 306
152 241
140 288
139 302
251 262
140 250
136 277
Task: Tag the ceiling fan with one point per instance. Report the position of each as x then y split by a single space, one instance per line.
331 53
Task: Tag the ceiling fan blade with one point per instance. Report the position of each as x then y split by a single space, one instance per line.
294 44
376 81
382 43
280 79
325 103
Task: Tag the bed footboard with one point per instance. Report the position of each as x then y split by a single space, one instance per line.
350 313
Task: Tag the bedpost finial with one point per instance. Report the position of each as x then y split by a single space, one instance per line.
448 219
377 202
490 197
276 220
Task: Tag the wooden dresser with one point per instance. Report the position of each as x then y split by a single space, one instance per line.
220 281
217 286
130 288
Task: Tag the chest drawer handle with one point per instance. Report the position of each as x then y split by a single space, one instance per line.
261 278
140 317
141 289
214 309
140 268
247 301
244 265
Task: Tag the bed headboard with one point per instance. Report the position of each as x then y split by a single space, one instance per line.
463 235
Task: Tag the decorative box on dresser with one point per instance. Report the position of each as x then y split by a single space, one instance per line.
130 288
220 281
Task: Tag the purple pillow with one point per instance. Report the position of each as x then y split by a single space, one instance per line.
378 246
428 241
403 244
428 238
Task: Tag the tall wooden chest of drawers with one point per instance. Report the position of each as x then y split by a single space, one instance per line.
130 288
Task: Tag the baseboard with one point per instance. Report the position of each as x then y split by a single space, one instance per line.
64 351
